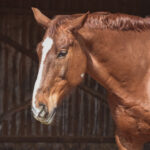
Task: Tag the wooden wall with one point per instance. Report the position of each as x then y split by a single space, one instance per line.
84 115
136 7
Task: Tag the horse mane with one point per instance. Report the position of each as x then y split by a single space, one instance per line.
106 20
117 21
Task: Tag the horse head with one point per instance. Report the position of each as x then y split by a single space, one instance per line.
62 63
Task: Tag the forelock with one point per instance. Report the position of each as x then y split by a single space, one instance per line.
57 21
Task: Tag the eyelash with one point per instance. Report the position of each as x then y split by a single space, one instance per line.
62 54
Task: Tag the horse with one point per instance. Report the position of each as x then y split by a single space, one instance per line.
114 49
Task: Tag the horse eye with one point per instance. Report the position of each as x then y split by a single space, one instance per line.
62 54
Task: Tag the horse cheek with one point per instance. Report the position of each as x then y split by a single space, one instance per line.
76 67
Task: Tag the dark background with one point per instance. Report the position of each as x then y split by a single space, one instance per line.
83 120
136 7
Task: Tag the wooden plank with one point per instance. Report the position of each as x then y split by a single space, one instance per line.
22 76
6 92
107 122
76 113
28 80
58 139
101 119
13 71
91 110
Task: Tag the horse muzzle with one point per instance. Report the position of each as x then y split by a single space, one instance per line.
43 115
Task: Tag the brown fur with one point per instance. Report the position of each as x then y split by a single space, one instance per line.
109 48
106 20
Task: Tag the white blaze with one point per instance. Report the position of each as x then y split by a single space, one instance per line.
47 44
82 75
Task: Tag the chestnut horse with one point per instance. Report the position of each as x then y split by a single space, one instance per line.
114 49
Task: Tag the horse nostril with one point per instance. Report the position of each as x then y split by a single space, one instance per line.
43 111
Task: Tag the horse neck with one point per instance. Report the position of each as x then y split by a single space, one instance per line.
119 60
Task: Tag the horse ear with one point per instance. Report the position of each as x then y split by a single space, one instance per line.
77 23
40 18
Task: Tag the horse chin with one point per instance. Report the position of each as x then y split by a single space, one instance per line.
48 120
